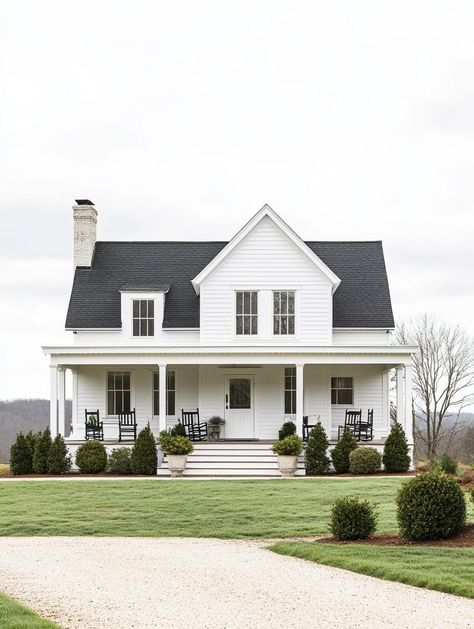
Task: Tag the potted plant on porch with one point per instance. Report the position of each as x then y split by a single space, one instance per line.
176 449
288 451
214 425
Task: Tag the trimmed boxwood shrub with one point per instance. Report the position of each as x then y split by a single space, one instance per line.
91 457
59 460
364 461
317 461
144 459
289 446
21 455
395 451
341 451
352 518
119 461
447 464
171 444
41 453
431 506
288 429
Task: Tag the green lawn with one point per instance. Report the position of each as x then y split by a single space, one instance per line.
224 509
15 616
448 570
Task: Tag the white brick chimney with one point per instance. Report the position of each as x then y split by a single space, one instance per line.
85 225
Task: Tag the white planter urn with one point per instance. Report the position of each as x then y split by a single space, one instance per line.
177 464
287 464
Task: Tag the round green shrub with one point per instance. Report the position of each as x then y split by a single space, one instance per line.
178 430
431 506
119 461
317 460
341 451
21 455
144 459
364 461
447 464
289 446
41 453
352 518
176 445
59 460
91 457
288 429
395 451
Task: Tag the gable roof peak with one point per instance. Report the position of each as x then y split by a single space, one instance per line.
266 210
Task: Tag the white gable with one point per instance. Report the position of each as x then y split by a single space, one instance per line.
265 213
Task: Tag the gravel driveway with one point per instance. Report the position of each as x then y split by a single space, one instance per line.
104 583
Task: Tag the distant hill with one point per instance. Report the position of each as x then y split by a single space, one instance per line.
22 416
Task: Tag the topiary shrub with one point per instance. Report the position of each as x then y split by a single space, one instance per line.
91 457
178 430
364 461
341 451
21 455
288 429
289 446
317 461
41 453
431 506
119 461
447 464
144 459
59 460
395 451
352 518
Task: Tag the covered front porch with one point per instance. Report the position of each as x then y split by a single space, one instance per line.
253 390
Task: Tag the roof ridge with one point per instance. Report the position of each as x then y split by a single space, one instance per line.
219 242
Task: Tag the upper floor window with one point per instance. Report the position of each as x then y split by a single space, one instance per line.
118 392
342 391
143 317
170 392
284 312
246 312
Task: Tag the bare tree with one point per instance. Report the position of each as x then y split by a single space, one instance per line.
443 379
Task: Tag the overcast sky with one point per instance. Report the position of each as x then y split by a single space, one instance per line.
353 120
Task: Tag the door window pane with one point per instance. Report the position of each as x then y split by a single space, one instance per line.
239 393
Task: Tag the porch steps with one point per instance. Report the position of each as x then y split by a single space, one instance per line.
252 459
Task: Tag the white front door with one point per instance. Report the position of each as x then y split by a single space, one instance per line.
239 407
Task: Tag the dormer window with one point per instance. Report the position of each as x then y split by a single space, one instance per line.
246 312
143 317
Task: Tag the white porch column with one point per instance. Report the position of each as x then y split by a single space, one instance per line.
299 398
408 405
53 402
61 400
401 417
74 417
162 377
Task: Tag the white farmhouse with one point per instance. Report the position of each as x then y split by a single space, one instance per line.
259 330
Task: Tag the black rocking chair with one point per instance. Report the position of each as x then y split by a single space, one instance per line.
195 429
351 422
94 427
366 429
308 427
127 425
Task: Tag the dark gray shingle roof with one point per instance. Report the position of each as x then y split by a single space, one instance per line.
362 299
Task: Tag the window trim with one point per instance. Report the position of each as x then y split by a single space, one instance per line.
153 391
345 404
131 390
250 314
280 315
139 318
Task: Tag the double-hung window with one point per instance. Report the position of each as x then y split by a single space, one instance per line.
246 312
118 392
283 312
342 391
170 392
290 390
143 317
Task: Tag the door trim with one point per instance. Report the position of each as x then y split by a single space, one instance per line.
251 377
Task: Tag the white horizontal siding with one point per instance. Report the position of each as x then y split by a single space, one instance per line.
361 337
266 260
